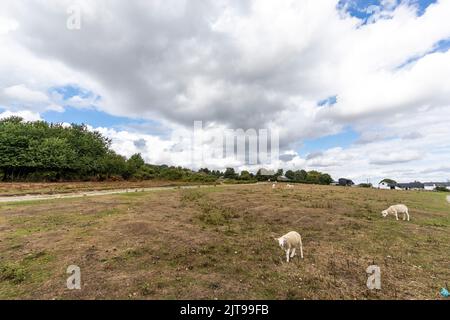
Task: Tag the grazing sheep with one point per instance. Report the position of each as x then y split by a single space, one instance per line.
289 186
291 241
274 186
395 210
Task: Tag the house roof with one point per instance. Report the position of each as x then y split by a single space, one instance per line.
415 184
389 184
345 181
430 184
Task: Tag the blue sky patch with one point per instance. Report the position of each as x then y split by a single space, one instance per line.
98 118
358 8
92 117
343 139
441 46
363 9
328 101
70 91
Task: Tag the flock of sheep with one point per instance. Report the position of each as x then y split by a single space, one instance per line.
293 240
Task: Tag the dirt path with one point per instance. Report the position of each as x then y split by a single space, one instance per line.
100 193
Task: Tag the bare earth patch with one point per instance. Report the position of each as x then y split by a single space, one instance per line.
217 242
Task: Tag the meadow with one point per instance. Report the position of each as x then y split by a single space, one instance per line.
218 243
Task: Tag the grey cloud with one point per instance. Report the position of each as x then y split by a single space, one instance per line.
436 170
369 137
323 164
412 136
152 60
389 161
148 56
314 155
140 144
287 157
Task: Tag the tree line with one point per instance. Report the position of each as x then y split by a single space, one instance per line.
300 176
41 151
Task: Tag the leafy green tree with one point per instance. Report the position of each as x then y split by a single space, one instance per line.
301 175
325 178
279 173
245 175
259 176
290 174
230 173
136 161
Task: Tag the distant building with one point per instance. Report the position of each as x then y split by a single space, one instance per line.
416 185
345 182
283 179
430 186
386 185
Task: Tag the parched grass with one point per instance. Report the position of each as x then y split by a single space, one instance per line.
217 242
19 188
191 195
209 213
213 214
30 203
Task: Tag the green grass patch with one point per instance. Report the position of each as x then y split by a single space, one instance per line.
213 214
12 272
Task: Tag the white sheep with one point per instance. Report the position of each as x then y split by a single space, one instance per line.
291 241
274 185
289 186
395 210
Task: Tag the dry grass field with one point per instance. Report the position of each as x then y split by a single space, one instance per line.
217 242
24 188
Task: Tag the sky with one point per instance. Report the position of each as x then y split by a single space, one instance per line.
358 89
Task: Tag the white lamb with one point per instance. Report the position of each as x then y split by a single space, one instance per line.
274 186
395 210
291 241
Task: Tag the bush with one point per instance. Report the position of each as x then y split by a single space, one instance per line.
365 185
198 177
233 181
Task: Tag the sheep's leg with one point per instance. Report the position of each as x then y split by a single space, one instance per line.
407 214
396 215
293 253
287 254
301 248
